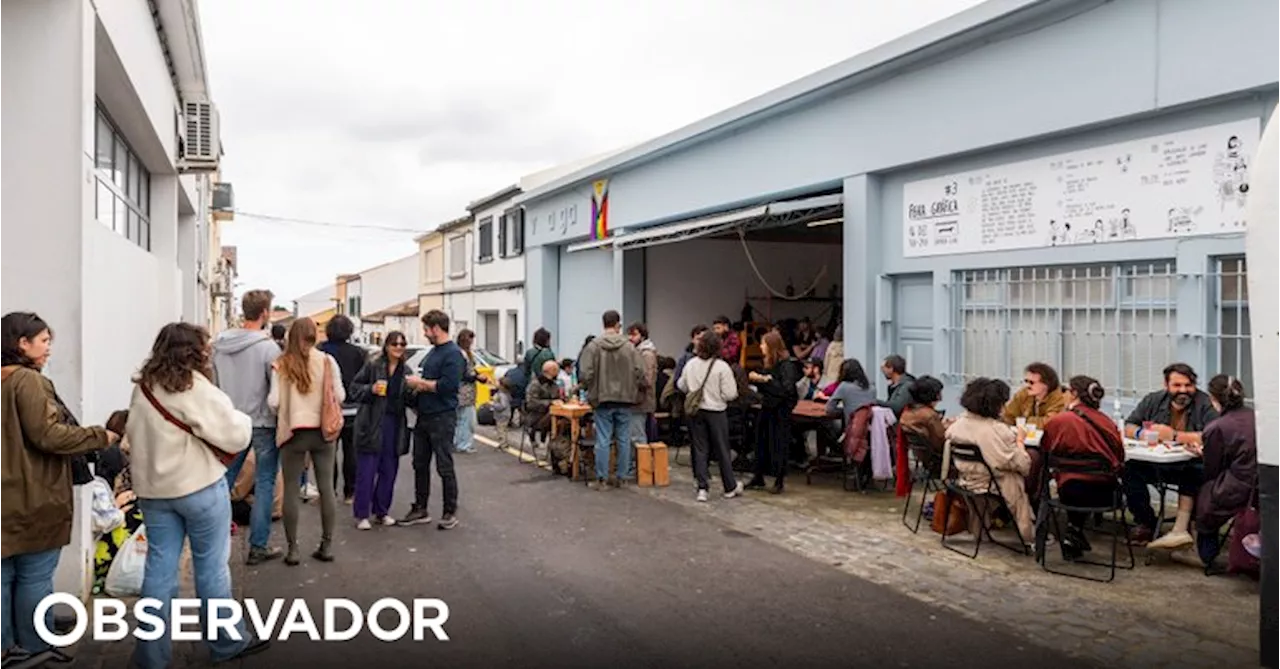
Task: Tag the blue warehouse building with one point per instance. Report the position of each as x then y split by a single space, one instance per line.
1055 180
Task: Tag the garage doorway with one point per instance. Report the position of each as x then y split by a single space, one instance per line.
913 322
490 335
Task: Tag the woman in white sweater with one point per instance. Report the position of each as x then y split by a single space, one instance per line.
181 428
710 426
297 395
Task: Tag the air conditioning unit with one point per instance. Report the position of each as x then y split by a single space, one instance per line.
201 145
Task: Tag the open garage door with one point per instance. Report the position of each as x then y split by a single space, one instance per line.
782 260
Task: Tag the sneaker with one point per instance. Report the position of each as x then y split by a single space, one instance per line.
736 492
388 521
448 522
1172 541
256 646
15 656
260 555
364 524
310 492
416 516
702 495
597 485
348 500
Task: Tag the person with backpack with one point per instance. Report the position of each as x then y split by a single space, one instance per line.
709 387
541 352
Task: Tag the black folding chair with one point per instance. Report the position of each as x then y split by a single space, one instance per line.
1097 467
927 467
981 503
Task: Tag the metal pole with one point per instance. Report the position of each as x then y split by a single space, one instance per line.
1261 242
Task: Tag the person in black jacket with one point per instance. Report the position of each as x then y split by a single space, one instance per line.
381 431
779 396
351 359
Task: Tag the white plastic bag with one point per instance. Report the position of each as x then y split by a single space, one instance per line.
124 579
105 516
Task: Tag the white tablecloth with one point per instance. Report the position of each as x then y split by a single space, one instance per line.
1138 450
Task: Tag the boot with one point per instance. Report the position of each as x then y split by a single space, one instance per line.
777 486
325 552
291 558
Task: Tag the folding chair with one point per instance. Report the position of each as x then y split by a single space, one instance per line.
928 468
979 503
1094 466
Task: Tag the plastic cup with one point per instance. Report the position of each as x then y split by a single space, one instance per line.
1021 421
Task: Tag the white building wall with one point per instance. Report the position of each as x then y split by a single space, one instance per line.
389 284
314 302
104 295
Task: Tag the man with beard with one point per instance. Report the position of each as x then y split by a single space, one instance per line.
1177 414
894 370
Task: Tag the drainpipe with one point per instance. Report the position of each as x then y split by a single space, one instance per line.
1261 242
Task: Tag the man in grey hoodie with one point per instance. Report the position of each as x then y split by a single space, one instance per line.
611 369
242 359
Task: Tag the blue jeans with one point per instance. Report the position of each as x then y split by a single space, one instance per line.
267 460
613 423
28 578
463 440
201 517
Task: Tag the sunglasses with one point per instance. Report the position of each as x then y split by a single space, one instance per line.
396 344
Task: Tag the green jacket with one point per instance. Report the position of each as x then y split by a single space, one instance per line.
612 371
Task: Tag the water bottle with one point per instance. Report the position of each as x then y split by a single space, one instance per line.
1117 415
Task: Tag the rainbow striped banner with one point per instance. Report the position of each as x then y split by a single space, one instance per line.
600 209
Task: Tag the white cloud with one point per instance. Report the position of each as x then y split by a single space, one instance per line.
400 112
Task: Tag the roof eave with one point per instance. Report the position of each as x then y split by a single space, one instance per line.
484 202
954 31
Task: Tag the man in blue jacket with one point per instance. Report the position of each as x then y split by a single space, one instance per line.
435 387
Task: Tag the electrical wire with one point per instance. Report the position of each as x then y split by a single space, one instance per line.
326 224
742 236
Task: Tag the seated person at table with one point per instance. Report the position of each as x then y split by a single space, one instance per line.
1000 446
1230 464
808 384
543 390
894 369
1039 399
854 391
1177 414
921 418
1083 430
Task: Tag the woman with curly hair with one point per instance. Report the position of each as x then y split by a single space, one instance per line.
980 425
40 440
180 428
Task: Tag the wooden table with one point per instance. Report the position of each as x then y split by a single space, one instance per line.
811 410
573 413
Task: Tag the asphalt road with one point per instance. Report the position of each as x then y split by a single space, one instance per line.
545 573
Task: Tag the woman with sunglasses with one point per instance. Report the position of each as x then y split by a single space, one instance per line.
381 431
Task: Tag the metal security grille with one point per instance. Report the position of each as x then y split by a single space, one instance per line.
1116 323
1228 336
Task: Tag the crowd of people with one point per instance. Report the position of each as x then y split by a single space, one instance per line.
708 390
200 408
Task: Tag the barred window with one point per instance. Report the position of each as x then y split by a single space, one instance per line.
1116 323
1228 340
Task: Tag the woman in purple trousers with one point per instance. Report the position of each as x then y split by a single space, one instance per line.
381 432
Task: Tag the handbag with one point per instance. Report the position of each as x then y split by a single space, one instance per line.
330 409
1245 523
950 514
223 456
693 401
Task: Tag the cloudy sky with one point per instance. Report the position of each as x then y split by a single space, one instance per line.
397 113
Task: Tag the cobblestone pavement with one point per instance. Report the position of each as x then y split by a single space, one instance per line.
1162 615
186 654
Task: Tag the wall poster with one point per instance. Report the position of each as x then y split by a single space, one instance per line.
1175 185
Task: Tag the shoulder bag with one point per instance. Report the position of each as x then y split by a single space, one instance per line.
693 401
224 457
330 409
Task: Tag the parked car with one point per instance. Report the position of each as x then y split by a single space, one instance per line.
487 363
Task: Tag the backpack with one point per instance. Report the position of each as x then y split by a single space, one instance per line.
693 400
